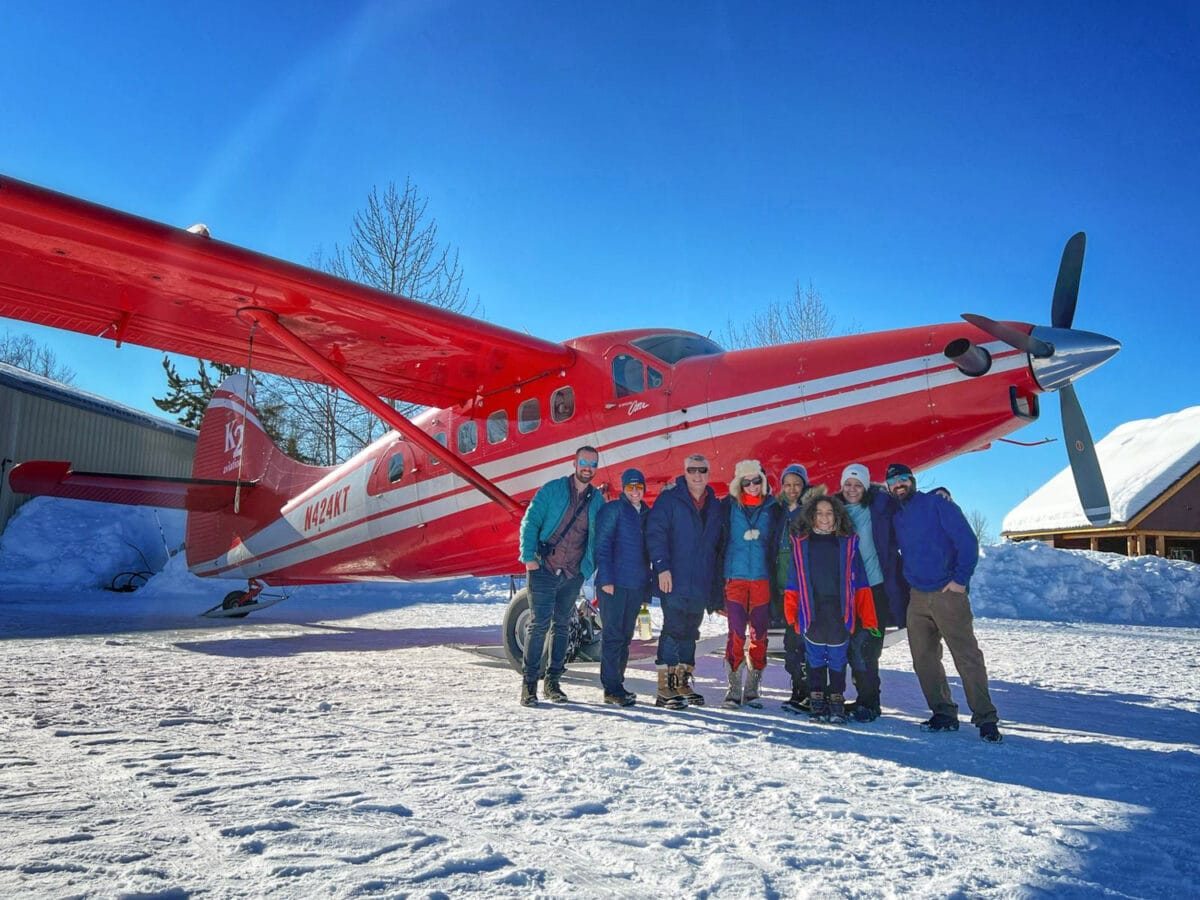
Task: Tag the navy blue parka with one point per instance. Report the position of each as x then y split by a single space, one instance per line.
685 542
620 545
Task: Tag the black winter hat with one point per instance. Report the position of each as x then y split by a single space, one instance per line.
900 469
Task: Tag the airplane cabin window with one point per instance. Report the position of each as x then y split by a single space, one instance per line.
529 416
396 466
562 404
654 377
468 437
497 427
627 375
440 437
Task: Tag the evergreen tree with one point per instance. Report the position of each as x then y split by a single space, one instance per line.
188 398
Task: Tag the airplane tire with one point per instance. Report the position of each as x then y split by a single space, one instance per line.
232 600
583 640
515 630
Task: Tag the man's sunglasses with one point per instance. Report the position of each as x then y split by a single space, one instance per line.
697 470
897 479
635 485
757 479
587 463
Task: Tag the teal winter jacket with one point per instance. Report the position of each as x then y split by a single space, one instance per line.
546 511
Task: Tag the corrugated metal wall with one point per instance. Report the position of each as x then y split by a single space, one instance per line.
39 427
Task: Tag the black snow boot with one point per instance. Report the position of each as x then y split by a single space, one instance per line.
553 692
529 693
818 707
798 702
837 709
939 723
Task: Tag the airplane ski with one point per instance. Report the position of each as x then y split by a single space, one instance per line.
239 604
220 611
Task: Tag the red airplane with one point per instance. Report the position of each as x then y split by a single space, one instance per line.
442 495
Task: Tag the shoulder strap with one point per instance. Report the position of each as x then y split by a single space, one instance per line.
583 504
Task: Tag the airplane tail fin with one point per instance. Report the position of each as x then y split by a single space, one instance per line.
235 448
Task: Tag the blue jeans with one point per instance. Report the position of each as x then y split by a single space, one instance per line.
618 611
551 602
681 630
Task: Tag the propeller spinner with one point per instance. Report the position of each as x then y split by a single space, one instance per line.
1059 355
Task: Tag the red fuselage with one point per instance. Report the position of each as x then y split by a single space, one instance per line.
646 399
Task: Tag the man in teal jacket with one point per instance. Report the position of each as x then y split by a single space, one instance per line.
556 548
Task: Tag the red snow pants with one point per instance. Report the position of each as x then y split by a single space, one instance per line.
747 603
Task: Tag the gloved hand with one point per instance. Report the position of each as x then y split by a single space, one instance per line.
874 632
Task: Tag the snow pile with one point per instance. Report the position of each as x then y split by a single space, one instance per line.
1030 580
77 544
1139 460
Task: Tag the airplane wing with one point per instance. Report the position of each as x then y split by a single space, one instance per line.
58 479
70 264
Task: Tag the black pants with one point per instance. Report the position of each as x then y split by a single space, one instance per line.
865 650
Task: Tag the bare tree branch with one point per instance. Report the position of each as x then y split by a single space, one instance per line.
24 352
394 247
979 524
802 317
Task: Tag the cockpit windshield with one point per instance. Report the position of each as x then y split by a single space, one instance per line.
673 346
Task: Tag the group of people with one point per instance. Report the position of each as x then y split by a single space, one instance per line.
840 568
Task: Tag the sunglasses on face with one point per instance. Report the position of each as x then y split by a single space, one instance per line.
898 479
697 470
749 481
587 463
635 486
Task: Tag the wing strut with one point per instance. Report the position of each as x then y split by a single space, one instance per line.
354 388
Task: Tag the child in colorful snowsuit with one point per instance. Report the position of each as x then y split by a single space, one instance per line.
826 594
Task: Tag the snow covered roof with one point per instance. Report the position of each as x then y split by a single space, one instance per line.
1139 460
39 386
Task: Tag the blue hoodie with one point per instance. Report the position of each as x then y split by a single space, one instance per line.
937 545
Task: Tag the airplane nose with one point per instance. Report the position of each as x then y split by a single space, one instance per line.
1075 354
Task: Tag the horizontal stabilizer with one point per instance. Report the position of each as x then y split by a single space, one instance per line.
57 479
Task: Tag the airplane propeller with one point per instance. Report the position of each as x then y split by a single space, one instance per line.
1059 355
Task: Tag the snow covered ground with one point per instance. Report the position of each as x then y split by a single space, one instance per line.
345 744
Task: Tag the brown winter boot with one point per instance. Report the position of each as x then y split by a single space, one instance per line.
668 689
685 686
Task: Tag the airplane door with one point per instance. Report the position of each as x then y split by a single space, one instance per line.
394 515
637 422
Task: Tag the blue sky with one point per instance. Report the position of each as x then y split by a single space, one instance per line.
665 164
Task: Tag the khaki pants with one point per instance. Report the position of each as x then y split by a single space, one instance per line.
946 615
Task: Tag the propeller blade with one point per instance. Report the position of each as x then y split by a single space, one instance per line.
1066 289
1010 335
1081 451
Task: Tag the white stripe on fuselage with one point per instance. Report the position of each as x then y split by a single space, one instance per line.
620 444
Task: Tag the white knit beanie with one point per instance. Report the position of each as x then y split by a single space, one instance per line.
856 470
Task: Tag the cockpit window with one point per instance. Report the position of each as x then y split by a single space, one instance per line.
628 376
672 347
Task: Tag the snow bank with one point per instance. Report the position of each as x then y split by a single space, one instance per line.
78 544
1030 580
